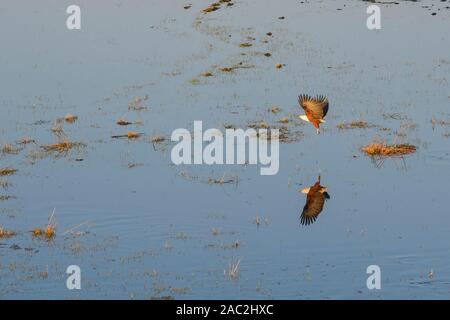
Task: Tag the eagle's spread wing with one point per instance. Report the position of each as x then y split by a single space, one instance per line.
316 107
315 200
313 207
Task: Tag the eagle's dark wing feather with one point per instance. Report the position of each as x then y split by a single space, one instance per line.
314 206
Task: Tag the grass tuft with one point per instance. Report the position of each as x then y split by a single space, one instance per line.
385 150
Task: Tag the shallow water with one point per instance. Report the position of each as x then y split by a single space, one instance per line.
148 230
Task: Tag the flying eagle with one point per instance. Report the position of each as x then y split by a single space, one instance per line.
315 199
315 109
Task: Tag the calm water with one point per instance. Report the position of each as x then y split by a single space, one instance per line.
158 230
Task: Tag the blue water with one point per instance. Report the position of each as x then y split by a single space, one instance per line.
147 231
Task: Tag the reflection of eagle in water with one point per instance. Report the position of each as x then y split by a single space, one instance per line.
315 109
315 199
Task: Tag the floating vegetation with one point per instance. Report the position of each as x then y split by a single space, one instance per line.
37 232
215 231
9 149
130 135
49 231
122 122
259 125
7 171
278 66
57 130
157 139
274 109
439 122
6 233
227 69
223 180
284 120
70 118
385 150
394 116
136 104
61 147
25 141
186 7
194 81
6 197
206 74
212 7
357 124
135 165
245 45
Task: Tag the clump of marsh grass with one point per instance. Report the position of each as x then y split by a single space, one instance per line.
7 172
157 139
386 150
123 122
70 118
284 120
49 231
274 109
61 147
233 269
6 233
357 124
136 104
226 69
9 149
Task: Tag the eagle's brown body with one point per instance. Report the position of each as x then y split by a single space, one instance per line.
315 109
315 200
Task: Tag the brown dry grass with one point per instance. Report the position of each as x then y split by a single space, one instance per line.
157 139
385 150
6 233
7 172
227 69
70 118
9 149
123 122
49 231
133 135
61 147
